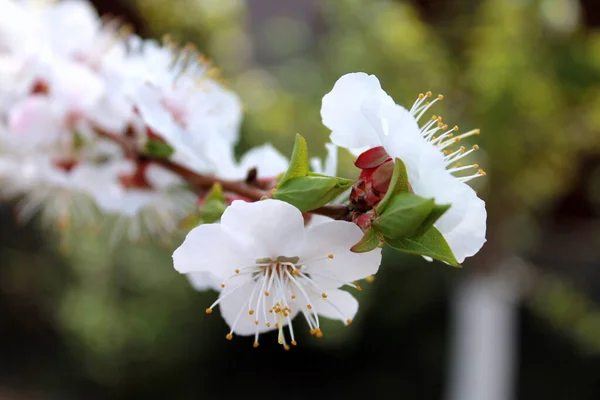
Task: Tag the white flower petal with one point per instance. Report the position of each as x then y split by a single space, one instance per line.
336 238
339 305
204 281
210 248
266 159
272 228
467 238
342 111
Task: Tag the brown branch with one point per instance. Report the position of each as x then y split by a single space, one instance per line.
335 211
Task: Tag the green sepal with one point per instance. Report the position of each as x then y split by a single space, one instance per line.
369 241
434 215
398 184
404 215
298 162
310 192
431 244
158 149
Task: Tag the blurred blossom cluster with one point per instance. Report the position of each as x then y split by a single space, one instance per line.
72 80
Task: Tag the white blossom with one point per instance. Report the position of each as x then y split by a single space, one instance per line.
272 268
362 115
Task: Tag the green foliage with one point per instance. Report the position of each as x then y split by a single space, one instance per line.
298 162
158 149
431 244
310 192
369 242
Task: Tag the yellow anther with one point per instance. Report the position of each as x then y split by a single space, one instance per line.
237 271
256 322
324 295
358 288
457 139
330 255
445 127
251 312
482 172
222 285
286 347
370 278
255 345
293 296
268 325
209 310
428 94
455 128
462 149
433 117
309 306
476 147
439 118
276 325
319 334
271 311
313 331
450 135
477 131
296 272
445 152
440 97
266 293
229 336
475 165
421 95
348 321
294 343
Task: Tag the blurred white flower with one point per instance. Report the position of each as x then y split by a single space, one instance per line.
147 199
361 115
180 101
271 268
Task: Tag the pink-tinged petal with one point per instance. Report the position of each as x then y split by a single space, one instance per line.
34 121
210 248
342 112
271 228
328 258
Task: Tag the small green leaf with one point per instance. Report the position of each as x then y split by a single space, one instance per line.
431 244
158 149
403 216
434 215
398 184
369 241
216 193
298 162
310 192
211 211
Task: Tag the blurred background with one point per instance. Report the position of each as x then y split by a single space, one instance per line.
521 320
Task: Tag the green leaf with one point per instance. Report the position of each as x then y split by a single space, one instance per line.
216 193
211 211
431 244
158 149
434 215
403 216
369 241
398 184
310 192
298 162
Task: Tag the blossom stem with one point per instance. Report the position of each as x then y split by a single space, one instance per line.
205 182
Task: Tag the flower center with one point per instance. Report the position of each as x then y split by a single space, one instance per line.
281 288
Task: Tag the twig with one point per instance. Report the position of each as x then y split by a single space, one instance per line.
205 182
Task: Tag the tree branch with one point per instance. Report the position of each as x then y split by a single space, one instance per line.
205 182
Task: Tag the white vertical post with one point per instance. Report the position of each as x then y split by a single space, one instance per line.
484 329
